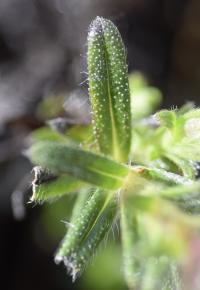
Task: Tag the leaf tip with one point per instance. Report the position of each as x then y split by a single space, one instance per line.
70 266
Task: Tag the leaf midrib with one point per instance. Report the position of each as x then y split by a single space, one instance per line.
115 151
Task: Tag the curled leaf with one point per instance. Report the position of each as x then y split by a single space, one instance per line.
47 185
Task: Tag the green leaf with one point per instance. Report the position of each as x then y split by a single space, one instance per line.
162 175
47 185
94 238
129 233
73 135
179 191
109 89
195 113
167 118
187 107
84 165
87 230
144 99
82 223
190 205
192 129
187 197
144 102
50 107
137 81
187 167
187 148
152 239
46 133
80 133
160 273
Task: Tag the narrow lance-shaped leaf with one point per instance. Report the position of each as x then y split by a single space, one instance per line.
82 224
187 197
47 185
84 165
109 89
187 167
162 175
87 230
81 199
95 237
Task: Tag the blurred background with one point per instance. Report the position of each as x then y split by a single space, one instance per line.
43 65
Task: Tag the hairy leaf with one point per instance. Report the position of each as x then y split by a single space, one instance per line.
160 273
129 233
161 175
109 89
84 165
47 185
179 191
153 237
46 133
87 250
87 231
186 167
167 118
187 197
82 223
